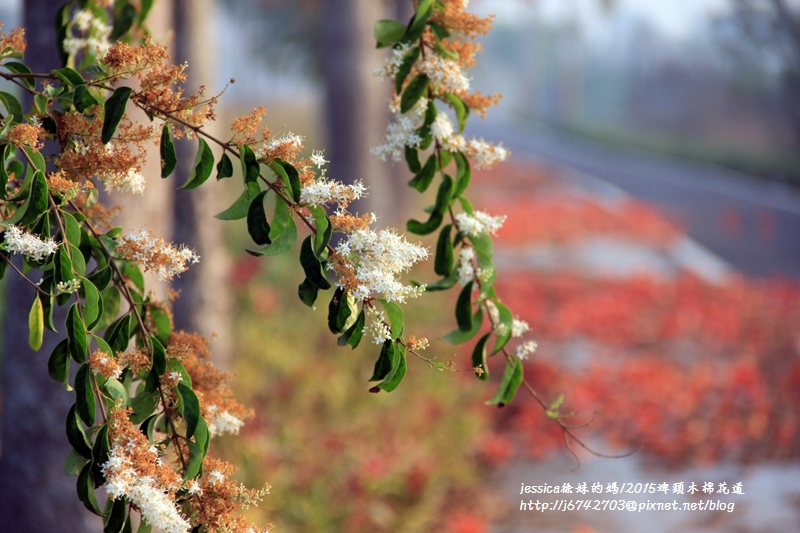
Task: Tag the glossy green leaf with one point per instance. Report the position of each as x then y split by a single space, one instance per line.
323 228
388 32
78 261
69 76
512 378
461 109
416 88
352 336
463 174
385 362
124 17
312 266
74 463
457 336
115 520
464 308
281 243
398 372
48 302
203 165
201 435
289 176
506 319
403 70
94 304
85 487
36 325
132 271
443 261
58 364
250 166
308 292
13 107
84 395
440 31
76 435
111 306
418 23
114 111
72 229
443 284
443 197
224 167
76 334
143 405
257 225
163 323
191 408
34 206
83 98
21 68
100 278
169 157
116 391
338 311
394 313
479 357
412 159
239 208
159 357
100 452
195 463
422 179
118 334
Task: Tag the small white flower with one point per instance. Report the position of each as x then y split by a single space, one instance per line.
377 326
479 222
31 246
523 350
215 476
318 159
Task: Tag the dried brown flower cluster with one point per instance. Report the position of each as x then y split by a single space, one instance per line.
14 40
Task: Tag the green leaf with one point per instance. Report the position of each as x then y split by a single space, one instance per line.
312 266
352 336
34 206
69 76
241 206
398 372
338 311
290 177
100 453
463 174
123 20
422 179
443 197
443 262
417 25
308 292
388 32
464 308
132 271
100 278
36 324
111 305
196 456
74 463
385 362
83 98
250 166
48 304
412 159
76 334
162 322
323 228
85 487
143 405
440 31
203 165
115 520
72 230
191 408
58 364
443 284
281 243
116 391
512 378
461 109
416 88
118 334
257 225
94 304
403 70
84 395
224 167
169 158
114 111
76 435
507 320
395 315
13 106
457 336
159 357
21 68
479 357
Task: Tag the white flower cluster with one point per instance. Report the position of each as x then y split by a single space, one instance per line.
483 153
96 30
442 128
289 140
479 222
68 287
525 349
401 132
132 182
318 159
465 270
222 422
376 326
323 191
156 254
519 328
445 74
389 69
33 247
155 505
380 256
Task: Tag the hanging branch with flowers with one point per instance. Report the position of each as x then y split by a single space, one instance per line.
147 399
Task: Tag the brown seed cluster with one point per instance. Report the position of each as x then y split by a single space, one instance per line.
14 40
26 135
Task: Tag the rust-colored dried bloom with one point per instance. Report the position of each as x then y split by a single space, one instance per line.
154 253
14 40
103 364
26 135
244 128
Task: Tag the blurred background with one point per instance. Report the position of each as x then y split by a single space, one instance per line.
652 244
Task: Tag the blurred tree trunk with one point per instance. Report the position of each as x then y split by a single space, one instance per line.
37 496
205 303
355 103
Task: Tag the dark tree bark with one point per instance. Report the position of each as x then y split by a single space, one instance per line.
37 496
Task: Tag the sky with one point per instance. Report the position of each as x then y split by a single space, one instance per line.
674 18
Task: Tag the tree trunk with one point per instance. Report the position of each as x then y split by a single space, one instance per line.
355 103
205 303
37 496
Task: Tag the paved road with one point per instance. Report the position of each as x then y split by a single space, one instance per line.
752 224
